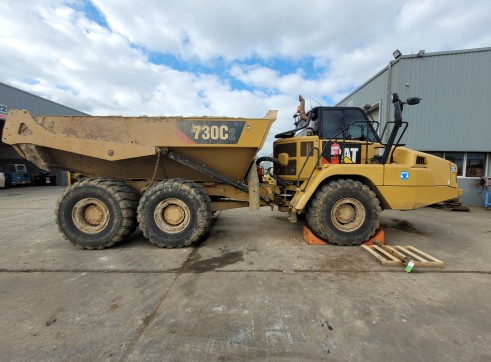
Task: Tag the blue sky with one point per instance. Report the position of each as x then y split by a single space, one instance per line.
218 57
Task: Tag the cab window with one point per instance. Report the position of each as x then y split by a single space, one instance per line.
335 121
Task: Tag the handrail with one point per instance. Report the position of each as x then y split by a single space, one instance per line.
367 142
396 143
305 164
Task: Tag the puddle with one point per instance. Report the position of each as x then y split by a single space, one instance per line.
205 265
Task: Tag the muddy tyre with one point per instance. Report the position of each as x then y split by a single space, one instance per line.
97 213
344 212
175 213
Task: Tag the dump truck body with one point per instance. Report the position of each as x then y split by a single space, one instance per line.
126 147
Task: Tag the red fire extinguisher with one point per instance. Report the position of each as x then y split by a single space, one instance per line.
335 153
260 173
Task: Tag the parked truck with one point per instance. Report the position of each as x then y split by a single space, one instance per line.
169 175
16 174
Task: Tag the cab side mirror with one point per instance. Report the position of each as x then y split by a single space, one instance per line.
413 100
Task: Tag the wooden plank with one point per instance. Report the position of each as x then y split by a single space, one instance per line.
383 261
378 256
420 262
428 256
387 254
394 252
394 263
428 264
411 254
398 255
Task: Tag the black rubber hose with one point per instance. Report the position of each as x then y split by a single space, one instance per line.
275 161
276 164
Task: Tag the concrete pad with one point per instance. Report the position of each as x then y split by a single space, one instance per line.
461 239
268 241
31 241
74 316
231 316
254 290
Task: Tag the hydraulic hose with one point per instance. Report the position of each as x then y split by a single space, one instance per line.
276 164
275 161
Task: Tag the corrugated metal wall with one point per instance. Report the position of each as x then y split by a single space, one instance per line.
372 92
455 113
15 98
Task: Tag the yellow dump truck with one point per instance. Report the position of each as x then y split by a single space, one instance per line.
170 174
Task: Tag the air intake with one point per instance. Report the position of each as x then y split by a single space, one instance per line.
420 160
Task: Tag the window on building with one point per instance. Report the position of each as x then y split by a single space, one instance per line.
475 164
458 159
470 164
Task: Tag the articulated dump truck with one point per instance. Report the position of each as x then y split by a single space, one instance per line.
169 175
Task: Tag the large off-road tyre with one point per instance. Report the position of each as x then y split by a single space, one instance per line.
97 213
175 213
344 212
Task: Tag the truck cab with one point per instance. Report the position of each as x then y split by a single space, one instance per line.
16 174
347 125
318 132
334 156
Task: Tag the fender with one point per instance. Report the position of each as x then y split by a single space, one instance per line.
375 174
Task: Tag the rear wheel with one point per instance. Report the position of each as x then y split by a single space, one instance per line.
175 213
97 213
344 212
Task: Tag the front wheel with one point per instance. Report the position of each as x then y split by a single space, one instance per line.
175 213
344 212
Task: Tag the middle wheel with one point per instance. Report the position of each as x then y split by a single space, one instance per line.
175 213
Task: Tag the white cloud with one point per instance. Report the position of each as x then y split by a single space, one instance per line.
52 48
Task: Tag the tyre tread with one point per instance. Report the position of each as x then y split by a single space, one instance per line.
315 210
178 185
124 195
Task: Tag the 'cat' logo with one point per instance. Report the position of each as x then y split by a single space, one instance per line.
350 152
351 155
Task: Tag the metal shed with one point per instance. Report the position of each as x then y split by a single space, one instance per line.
15 98
454 118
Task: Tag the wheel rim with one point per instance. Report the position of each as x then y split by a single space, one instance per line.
172 215
348 214
90 215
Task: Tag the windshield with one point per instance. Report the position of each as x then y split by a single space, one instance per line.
335 120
